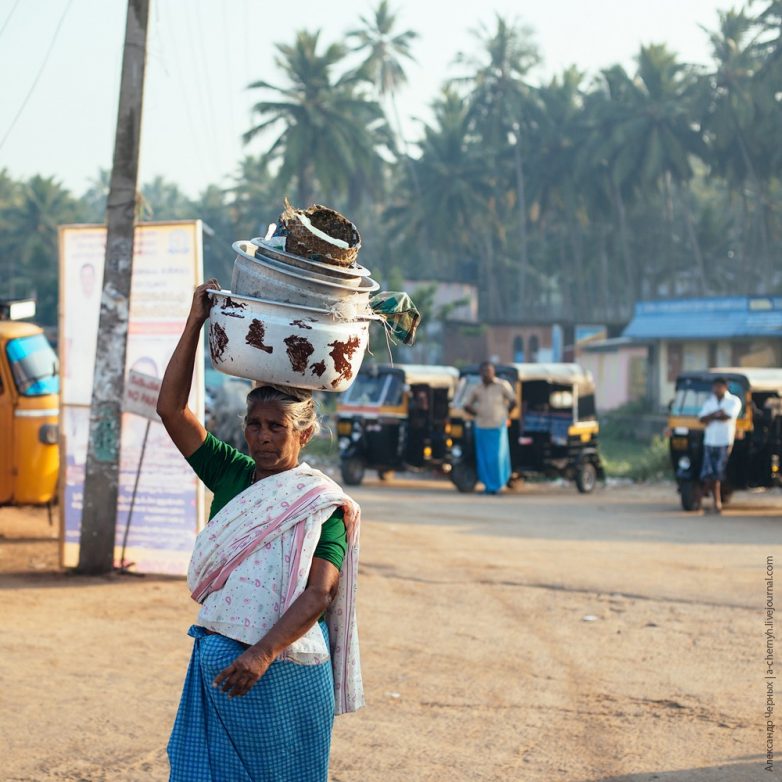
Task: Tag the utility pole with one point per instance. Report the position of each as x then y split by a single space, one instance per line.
101 482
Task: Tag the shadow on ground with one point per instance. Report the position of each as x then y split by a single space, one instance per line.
749 771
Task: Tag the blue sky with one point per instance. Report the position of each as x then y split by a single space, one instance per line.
203 53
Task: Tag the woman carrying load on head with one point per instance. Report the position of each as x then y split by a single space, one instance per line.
275 652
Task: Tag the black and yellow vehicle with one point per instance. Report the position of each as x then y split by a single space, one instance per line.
755 458
552 431
395 418
29 415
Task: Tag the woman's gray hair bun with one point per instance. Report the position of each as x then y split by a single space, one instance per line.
298 404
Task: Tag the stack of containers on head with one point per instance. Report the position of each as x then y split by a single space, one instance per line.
298 311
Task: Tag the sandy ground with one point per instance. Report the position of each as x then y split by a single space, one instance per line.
479 660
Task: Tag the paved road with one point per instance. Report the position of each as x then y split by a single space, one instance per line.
531 637
589 541
611 637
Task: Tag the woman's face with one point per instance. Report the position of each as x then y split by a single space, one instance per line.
271 438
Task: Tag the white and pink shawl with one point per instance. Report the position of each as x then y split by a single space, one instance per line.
252 560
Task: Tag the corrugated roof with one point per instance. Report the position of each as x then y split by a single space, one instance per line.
707 318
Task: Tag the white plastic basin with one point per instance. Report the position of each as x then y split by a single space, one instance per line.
272 342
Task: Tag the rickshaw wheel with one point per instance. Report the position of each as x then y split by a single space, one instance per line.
690 495
385 475
352 470
464 477
586 477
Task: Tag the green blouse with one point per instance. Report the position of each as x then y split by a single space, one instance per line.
227 472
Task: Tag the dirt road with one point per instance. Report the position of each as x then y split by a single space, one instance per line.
536 636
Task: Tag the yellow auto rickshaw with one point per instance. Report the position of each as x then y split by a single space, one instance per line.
755 457
395 418
552 431
29 414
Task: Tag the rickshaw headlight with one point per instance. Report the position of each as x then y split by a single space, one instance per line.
456 452
344 442
48 434
684 463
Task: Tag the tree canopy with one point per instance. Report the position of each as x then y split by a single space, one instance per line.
565 197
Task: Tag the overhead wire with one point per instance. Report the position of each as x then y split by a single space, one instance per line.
228 65
247 61
207 81
194 130
38 75
8 18
198 131
201 73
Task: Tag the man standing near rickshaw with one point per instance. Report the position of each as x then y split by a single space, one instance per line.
490 402
719 414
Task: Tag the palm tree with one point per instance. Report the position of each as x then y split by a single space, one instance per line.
163 200
731 120
500 100
255 200
42 206
94 198
9 202
606 110
650 138
451 215
215 207
331 131
770 21
556 189
385 50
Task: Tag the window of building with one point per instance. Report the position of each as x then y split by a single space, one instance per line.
534 347
713 354
518 348
675 360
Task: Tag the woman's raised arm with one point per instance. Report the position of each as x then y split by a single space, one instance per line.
184 428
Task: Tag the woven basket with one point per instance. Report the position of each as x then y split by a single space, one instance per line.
301 241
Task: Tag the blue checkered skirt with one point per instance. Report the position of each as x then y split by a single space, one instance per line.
280 731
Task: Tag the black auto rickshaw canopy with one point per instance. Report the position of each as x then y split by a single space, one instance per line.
693 388
555 376
383 385
395 418
756 453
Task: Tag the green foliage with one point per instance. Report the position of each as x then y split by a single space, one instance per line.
30 212
625 458
331 132
384 49
566 198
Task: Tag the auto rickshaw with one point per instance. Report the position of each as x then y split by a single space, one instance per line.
29 414
395 418
552 431
755 458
